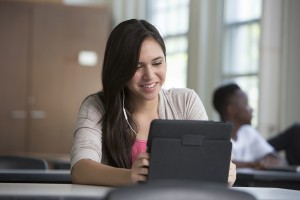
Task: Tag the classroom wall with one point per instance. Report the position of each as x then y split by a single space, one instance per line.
42 82
204 50
280 68
280 83
291 83
280 60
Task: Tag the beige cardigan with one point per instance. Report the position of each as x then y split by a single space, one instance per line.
173 104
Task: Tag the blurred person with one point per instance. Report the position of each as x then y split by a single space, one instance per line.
249 148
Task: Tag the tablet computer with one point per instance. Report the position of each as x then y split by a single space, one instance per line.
190 150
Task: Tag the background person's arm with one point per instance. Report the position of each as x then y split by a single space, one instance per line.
269 160
241 164
272 160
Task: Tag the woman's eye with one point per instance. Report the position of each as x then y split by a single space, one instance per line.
157 63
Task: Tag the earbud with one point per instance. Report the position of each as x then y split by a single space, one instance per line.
125 115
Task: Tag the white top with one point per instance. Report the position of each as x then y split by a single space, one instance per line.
250 145
173 104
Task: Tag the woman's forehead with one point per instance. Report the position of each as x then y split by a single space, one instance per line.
150 49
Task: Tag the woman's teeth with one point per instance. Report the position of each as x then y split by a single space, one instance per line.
149 86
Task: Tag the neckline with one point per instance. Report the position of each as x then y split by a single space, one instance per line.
141 140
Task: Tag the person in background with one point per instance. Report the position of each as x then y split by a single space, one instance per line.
109 146
249 148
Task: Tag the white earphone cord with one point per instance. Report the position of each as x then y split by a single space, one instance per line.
125 115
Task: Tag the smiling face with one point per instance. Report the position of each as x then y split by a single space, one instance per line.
150 74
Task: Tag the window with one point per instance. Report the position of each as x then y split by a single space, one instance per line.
171 17
241 53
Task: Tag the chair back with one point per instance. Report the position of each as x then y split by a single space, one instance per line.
177 190
22 162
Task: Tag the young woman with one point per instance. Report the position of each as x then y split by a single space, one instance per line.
110 138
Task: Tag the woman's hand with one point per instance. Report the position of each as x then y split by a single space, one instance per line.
232 174
139 169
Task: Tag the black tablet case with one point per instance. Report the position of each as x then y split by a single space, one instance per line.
189 150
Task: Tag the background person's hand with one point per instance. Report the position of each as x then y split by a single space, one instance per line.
140 168
272 161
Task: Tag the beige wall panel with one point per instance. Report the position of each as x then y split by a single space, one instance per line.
14 34
59 83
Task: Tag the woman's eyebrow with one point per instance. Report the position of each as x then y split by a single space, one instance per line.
160 57
154 59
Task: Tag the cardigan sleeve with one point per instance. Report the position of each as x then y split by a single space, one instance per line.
194 107
87 141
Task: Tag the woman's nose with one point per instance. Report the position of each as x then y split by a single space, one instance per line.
148 72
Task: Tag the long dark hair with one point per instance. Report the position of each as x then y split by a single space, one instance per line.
119 66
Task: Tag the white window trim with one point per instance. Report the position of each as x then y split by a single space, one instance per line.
279 105
205 47
271 59
128 9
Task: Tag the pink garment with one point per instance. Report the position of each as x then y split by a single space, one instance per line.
139 146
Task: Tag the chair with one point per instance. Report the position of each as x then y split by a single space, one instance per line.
177 190
22 162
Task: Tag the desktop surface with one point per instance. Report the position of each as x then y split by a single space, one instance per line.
51 191
261 193
73 191
265 178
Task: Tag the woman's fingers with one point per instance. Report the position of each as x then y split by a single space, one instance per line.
144 155
139 170
232 174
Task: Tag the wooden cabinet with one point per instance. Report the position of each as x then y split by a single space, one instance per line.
42 83
14 59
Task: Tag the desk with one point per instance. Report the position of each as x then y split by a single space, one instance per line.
51 191
69 191
35 176
270 193
262 178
